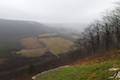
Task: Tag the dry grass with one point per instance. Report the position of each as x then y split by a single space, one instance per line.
98 58
34 47
30 43
32 52
57 45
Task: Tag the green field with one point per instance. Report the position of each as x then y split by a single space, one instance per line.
92 70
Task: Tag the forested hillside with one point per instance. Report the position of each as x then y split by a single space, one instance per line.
102 35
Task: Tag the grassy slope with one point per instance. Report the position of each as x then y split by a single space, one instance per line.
88 69
57 45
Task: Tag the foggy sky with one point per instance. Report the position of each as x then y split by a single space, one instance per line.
54 11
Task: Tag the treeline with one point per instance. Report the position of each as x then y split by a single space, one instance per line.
102 35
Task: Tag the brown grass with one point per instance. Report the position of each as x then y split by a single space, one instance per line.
57 45
30 43
32 52
33 47
98 58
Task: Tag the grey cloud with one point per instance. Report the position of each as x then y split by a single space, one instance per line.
51 11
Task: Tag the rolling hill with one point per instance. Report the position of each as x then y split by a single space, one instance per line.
11 31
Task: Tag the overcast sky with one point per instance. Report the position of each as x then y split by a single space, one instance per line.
54 11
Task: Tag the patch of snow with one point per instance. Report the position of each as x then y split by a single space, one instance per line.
34 77
118 75
114 69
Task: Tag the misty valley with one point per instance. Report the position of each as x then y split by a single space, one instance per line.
59 40
29 47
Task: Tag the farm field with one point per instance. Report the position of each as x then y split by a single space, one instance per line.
35 47
57 45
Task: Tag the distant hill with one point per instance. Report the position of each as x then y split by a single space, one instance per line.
11 29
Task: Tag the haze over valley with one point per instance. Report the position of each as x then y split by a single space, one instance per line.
59 40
